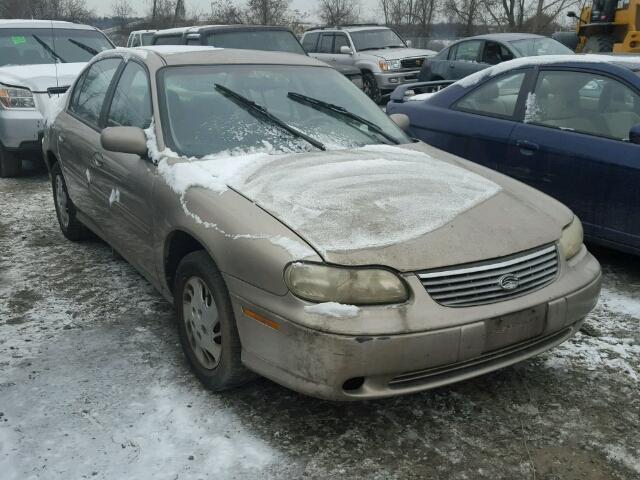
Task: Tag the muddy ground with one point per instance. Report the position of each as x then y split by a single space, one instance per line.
93 384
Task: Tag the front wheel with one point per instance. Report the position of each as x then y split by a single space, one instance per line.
599 43
371 87
10 164
206 325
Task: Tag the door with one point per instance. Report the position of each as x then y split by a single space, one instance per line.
573 145
127 180
79 134
324 50
463 60
494 106
341 40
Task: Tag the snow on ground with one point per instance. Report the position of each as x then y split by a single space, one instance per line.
93 384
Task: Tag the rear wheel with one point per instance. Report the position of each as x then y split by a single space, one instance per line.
599 43
206 325
65 209
371 87
10 164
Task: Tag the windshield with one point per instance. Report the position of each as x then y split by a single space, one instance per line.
532 47
199 119
33 46
376 39
272 40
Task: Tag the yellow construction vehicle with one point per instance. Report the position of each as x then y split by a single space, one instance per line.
609 26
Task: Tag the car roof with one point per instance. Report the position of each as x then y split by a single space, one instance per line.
18 23
505 37
142 31
202 55
631 62
349 28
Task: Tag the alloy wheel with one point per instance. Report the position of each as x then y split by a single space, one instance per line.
202 323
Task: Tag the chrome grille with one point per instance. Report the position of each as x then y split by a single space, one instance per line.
481 283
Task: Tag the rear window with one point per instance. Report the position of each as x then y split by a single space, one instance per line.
309 41
271 40
168 40
33 46
533 47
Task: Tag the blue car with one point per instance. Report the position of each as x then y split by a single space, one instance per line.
566 125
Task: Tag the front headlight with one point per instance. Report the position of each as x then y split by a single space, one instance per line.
572 238
354 286
389 65
12 97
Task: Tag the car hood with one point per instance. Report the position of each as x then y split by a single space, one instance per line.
407 207
38 78
399 53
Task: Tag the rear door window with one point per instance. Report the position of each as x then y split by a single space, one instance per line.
309 41
584 102
468 51
89 94
497 97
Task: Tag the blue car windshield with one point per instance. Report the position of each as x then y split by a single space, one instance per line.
533 47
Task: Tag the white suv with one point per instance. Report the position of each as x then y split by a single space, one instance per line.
384 58
39 59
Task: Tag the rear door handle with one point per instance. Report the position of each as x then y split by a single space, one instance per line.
526 147
98 159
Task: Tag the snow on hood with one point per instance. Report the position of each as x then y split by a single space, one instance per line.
40 77
399 53
343 200
419 97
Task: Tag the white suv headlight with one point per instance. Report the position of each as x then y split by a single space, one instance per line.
13 97
572 238
389 65
354 286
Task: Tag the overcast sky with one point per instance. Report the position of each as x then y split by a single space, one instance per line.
369 8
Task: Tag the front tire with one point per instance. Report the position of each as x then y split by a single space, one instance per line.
206 324
65 209
10 164
371 87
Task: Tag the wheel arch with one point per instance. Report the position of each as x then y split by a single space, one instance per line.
50 160
178 244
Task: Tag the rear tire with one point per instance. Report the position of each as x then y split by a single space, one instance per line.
10 164
206 324
371 87
65 209
599 44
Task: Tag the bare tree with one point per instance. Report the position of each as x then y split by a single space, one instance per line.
339 12
122 10
268 12
415 16
226 12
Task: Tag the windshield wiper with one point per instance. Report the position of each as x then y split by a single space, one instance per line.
83 46
338 111
395 46
48 49
370 48
262 113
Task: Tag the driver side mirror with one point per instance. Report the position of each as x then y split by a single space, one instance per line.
124 140
634 134
401 120
572 14
346 50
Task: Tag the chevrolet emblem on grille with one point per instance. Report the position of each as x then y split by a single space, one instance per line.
508 282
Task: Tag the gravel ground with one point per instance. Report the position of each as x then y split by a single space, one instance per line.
93 384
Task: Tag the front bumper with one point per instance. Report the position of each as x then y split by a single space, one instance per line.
329 365
390 80
20 128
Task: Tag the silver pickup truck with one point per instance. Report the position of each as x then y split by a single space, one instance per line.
39 59
384 58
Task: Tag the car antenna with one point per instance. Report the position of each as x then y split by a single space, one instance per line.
55 60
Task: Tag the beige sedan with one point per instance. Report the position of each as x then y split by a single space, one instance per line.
301 234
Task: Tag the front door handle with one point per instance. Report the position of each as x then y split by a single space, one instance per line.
98 159
526 147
